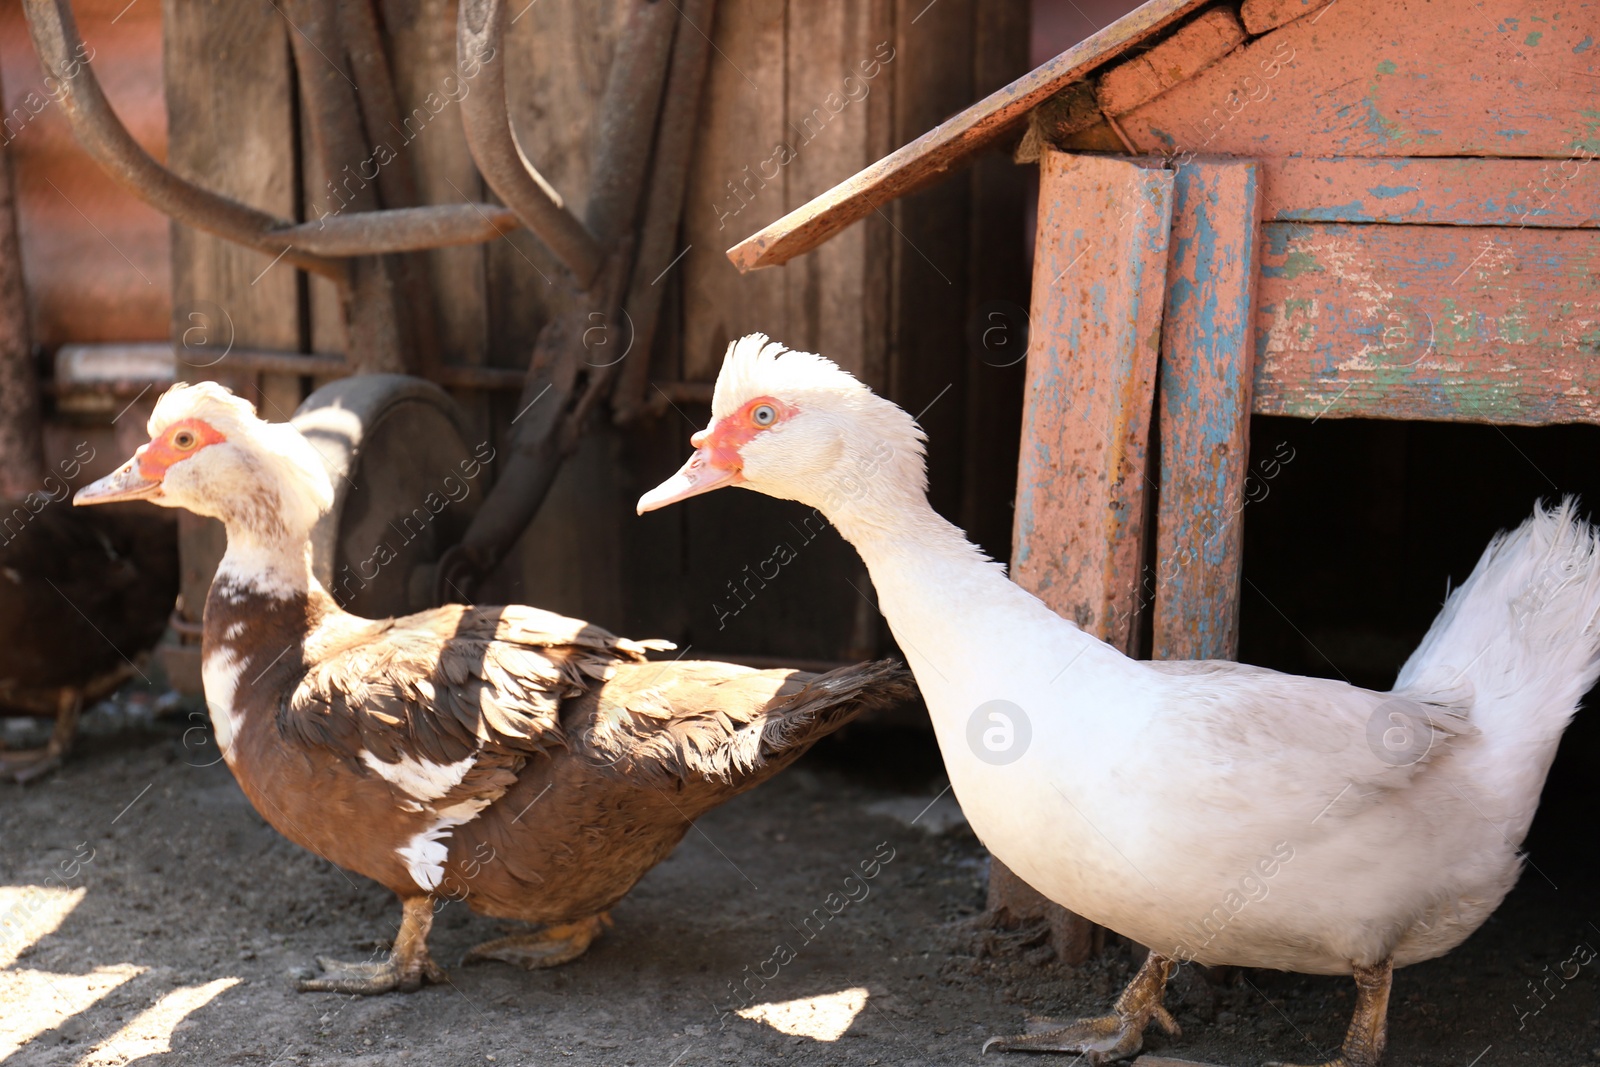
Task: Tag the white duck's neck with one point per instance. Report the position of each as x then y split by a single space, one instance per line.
955 613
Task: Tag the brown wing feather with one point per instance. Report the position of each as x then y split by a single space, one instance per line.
443 684
671 722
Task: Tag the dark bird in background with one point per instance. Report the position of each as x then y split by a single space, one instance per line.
82 595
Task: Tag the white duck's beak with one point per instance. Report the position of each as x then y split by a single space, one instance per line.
700 475
124 483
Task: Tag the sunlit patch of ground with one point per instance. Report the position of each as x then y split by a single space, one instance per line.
824 1018
37 1001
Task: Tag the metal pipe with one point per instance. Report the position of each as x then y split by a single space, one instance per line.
515 180
680 112
400 230
397 184
627 120
372 306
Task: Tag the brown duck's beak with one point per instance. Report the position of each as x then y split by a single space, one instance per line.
125 483
700 475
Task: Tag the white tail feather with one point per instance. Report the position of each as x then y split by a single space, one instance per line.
1522 636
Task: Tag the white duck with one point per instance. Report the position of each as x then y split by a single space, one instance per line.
1213 811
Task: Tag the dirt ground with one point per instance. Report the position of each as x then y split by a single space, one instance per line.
180 933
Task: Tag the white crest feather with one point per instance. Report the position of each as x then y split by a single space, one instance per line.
283 455
756 366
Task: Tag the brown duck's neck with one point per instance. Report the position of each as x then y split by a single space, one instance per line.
264 592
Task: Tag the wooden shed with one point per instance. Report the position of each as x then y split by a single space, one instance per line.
1356 209
315 123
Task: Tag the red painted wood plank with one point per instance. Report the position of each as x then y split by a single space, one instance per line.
1098 285
1395 78
951 142
1191 48
1207 358
1262 15
1561 193
1447 323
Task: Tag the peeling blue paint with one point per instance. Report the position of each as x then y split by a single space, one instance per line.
1328 213
1583 45
1389 192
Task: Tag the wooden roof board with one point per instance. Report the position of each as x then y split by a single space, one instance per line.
952 141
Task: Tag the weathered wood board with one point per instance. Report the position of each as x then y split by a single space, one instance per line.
233 134
1192 47
1521 193
1481 324
838 119
1078 537
925 159
1098 288
1262 15
736 183
1394 78
1203 408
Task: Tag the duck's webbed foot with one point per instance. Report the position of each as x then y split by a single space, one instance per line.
1368 1033
548 946
1107 1037
25 765
406 970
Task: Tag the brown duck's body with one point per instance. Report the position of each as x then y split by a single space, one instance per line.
581 764
533 765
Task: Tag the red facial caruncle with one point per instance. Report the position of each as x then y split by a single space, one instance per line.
720 444
178 442
718 459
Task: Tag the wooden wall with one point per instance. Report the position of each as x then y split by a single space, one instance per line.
799 96
96 258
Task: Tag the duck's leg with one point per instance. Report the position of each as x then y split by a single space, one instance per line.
1369 1030
1107 1037
406 969
548 946
26 766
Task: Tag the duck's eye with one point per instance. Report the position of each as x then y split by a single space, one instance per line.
763 414
184 440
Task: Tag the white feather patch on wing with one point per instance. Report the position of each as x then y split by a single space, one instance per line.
426 852
419 778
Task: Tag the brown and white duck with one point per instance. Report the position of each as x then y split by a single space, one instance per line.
532 765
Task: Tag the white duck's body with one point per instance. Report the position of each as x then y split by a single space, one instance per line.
1213 811
1234 815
